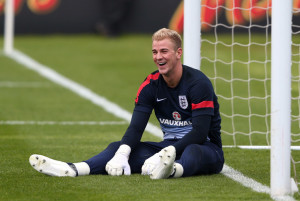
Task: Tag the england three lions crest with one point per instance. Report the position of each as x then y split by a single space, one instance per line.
183 102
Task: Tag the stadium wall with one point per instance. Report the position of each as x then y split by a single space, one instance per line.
144 16
80 16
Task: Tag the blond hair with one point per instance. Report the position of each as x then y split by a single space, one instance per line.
169 34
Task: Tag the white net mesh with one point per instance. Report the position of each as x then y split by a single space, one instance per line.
236 56
295 123
239 54
295 78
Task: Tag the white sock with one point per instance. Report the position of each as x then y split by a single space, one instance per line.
178 170
82 168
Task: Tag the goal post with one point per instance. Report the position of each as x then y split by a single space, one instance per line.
192 32
9 27
280 79
281 37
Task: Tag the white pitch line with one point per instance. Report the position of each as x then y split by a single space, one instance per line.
10 84
101 123
257 147
245 181
80 90
251 183
114 109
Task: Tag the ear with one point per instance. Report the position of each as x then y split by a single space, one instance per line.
179 53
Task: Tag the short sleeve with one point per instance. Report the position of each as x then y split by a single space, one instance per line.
202 98
144 101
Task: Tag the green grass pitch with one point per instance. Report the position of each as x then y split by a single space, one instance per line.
113 68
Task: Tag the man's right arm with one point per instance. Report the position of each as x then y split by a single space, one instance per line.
119 165
136 128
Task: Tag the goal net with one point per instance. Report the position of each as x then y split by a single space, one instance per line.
236 56
295 114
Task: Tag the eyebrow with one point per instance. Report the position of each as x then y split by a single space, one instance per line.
162 49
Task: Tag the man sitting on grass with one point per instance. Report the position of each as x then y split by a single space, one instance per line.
186 106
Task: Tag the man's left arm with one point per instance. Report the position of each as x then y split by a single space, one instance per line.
136 128
201 96
198 134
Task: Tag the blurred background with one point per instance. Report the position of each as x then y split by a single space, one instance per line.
78 16
112 17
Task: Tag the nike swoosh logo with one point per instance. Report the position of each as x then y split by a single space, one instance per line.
158 100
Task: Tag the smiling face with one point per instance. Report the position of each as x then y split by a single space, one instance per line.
166 57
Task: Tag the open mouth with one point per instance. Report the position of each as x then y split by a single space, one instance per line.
161 64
